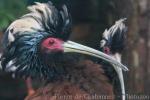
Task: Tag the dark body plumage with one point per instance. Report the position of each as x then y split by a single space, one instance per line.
84 80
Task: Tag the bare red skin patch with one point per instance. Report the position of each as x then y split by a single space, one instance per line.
52 44
106 50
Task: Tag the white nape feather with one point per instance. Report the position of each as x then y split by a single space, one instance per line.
10 67
105 36
11 37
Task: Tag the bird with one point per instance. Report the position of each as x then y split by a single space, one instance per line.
113 43
37 45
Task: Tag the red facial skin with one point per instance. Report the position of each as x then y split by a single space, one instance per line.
52 45
106 50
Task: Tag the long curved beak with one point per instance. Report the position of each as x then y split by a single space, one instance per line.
70 46
117 56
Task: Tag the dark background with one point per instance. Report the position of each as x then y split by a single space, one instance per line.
90 18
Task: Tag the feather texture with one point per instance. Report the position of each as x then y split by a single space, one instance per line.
43 17
22 40
115 37
86 80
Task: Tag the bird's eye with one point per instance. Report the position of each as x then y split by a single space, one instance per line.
106 50
51 42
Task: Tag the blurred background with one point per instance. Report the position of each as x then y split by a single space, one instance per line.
90 19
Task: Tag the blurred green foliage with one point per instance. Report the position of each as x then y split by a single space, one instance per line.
10 10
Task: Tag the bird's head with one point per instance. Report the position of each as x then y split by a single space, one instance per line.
113 39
